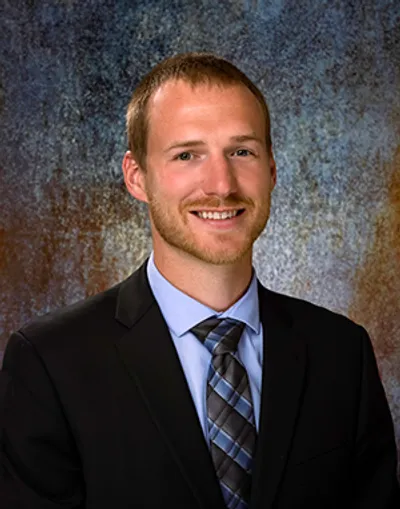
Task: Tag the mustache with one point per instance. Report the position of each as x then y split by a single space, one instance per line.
214 202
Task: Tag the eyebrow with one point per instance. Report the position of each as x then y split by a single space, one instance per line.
196 143
184 144
246 137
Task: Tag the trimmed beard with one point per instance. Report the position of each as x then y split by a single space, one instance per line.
174 235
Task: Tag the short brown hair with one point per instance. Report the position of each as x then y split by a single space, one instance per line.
193 68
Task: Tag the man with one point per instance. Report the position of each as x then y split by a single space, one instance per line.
190 385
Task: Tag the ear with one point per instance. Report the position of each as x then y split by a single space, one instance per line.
272 168
134 177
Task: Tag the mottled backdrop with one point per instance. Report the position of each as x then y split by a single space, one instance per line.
331 73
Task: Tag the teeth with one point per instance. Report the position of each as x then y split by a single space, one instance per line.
217 215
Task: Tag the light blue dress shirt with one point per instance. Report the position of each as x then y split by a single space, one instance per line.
182 312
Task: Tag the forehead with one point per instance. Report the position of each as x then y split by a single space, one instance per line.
178 100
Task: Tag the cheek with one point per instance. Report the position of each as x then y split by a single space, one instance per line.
176 186
255 183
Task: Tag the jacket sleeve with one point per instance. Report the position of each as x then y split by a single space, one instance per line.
40 466
376 484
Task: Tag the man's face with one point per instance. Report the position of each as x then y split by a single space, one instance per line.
209 175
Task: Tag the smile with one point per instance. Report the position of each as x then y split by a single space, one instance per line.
226 214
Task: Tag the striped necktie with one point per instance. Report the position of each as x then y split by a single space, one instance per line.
230 413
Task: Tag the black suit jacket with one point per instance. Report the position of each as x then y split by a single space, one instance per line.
97 412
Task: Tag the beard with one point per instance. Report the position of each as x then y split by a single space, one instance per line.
225 247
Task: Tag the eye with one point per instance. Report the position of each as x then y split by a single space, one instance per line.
184 156
243 152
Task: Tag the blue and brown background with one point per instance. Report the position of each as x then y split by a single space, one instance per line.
330 71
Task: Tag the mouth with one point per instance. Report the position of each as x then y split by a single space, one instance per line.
217 215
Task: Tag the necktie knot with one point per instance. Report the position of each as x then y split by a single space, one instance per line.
219 335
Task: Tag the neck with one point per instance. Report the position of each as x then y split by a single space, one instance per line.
216 286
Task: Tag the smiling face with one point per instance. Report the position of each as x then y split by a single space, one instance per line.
209 174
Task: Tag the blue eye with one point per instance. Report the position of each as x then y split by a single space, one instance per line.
242 152
185 156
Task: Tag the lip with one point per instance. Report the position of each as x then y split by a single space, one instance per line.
239 210
216 210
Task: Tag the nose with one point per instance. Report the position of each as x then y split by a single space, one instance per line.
219 177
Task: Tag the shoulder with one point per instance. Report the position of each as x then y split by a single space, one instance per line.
313 321
333 343
79 326
96 312
51 346
93 312
88 324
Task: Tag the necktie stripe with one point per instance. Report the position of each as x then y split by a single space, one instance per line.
219 415
236 502
243 441
235 451
230 415
229 372
225 387
228 470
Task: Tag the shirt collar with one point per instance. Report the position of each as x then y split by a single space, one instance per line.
182 312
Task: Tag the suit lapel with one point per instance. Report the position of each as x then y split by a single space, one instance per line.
151 359
283 378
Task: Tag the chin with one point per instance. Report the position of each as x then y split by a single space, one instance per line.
220 256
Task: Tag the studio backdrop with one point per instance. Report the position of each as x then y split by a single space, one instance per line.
330 71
